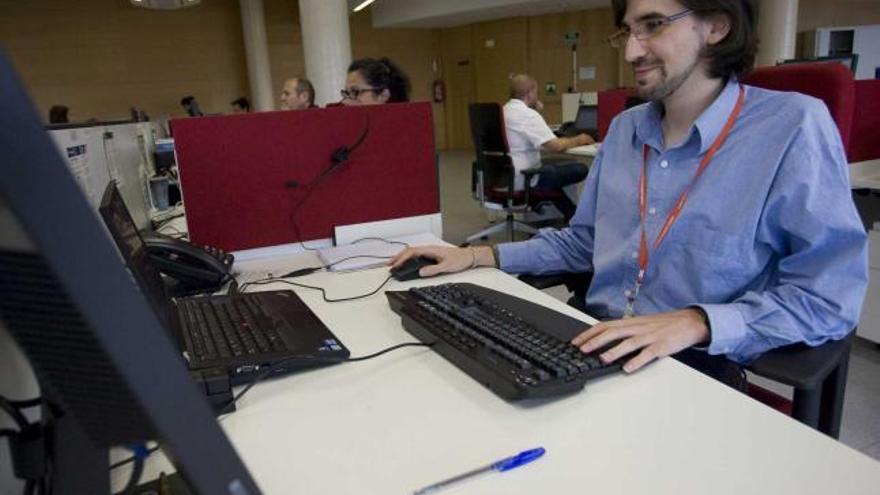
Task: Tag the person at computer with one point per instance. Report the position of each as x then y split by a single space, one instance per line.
717 219
528 134
372 81
240 105
297 94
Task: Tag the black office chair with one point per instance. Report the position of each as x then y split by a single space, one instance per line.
495 174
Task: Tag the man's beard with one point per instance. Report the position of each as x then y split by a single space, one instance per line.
667 85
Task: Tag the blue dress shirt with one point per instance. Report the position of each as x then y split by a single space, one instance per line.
769 243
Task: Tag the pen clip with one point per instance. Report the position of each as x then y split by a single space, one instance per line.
523 457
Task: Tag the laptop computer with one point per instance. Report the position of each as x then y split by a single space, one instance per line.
243 333
586 122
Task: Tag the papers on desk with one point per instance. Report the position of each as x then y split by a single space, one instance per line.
370 253
585 150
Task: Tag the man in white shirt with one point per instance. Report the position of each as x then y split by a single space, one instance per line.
528 134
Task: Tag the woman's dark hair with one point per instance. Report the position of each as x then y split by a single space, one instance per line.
382 73
735 54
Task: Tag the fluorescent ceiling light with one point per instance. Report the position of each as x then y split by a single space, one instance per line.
363 5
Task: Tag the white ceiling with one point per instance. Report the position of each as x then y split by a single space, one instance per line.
448 13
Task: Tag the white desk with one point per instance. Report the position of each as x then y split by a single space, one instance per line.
409 418
588 150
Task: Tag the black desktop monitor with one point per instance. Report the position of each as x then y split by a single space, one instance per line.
587 118
108 373
850 61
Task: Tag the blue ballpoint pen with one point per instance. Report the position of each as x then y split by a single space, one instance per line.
506 464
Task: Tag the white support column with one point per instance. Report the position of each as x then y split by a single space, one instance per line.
326 46
257 53
777 29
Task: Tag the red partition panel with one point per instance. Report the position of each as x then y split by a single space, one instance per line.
610 103
830 82
864 143
252 180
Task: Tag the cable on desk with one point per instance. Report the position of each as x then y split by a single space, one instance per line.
272 280
133 458
318 359
26 404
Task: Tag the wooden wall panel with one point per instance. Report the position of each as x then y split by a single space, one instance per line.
458 73
415 51
494 64
101 57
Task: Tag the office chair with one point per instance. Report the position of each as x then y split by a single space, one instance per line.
495 174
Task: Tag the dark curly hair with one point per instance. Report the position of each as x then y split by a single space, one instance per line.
735 54
382 73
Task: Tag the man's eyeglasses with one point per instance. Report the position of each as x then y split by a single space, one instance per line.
354 93
644 29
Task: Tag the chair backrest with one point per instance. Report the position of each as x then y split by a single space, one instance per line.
830 82
610 103
490 144
864 143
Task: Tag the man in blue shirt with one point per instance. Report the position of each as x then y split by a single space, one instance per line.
717 215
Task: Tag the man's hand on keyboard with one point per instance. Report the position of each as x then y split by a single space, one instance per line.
449 259
655 335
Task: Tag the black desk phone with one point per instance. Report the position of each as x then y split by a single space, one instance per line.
194 267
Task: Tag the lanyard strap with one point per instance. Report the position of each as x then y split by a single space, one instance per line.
682 199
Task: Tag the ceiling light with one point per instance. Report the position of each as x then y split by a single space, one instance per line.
363 5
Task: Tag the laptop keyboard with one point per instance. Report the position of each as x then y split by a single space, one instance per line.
228 328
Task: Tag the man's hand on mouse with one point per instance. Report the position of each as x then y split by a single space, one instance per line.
449 259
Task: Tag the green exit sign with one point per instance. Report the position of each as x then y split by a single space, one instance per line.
571 37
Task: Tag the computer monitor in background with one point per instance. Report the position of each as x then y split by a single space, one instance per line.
109 374
851 61
587 119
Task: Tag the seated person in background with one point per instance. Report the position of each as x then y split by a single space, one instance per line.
58 114
528 134
297 94
717 220
191 106
240 105
373 81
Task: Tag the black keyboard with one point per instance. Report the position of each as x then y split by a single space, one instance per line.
227 327
516 348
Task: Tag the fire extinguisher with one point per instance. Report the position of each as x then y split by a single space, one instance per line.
439 91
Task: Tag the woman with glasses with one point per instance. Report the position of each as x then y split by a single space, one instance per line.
373 81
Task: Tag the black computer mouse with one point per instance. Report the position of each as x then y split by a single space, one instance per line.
409 270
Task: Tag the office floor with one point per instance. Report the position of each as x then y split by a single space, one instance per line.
860 429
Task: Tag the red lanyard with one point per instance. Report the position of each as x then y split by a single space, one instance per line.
682 199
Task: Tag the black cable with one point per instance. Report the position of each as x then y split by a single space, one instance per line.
301 272
136 471
26 404
339 157
133 458
7 432
317 359
14 413
272 280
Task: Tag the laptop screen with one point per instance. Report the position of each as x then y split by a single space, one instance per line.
125 233
587 118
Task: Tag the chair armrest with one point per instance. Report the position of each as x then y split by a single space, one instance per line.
529 172
801 366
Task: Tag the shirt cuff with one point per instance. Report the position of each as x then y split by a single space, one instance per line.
728 327
514 257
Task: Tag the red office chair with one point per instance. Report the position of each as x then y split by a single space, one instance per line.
494 184
817 374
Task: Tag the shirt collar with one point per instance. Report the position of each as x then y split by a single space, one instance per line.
707 126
